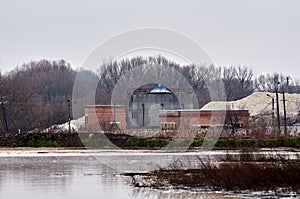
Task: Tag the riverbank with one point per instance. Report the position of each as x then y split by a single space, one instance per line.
109 140
262 169
70 175
243 173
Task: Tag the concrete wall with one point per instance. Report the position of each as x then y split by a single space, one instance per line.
143 109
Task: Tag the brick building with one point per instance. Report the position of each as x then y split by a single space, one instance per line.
158 107
104 117
197 118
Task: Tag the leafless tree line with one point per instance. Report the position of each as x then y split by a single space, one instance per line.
37 92
278 81
238 81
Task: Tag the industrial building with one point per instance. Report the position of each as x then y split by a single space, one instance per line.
160 108
144 105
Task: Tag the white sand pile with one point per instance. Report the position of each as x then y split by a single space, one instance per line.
76 125
259 103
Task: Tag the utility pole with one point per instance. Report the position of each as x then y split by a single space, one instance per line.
284 113
143 110
287 83
115 114
277 103
4 113
273 109
69 110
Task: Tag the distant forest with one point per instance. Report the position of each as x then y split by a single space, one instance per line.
36 93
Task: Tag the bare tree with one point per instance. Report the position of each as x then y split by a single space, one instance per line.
37 94
245 82
269 82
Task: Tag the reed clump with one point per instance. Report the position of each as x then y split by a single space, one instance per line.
233 173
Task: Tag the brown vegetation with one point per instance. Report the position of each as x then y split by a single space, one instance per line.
245 173
36 95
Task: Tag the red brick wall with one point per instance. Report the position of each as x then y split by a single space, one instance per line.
193 118
102 115
99 117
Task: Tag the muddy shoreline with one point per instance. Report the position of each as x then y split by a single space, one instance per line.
243 173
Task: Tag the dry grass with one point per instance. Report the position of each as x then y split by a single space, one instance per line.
248 173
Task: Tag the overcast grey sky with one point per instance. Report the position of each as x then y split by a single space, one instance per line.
260 34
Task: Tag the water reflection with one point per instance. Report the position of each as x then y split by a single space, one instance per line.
75 177
176 194
58 177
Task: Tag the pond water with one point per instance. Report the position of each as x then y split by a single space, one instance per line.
47 174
